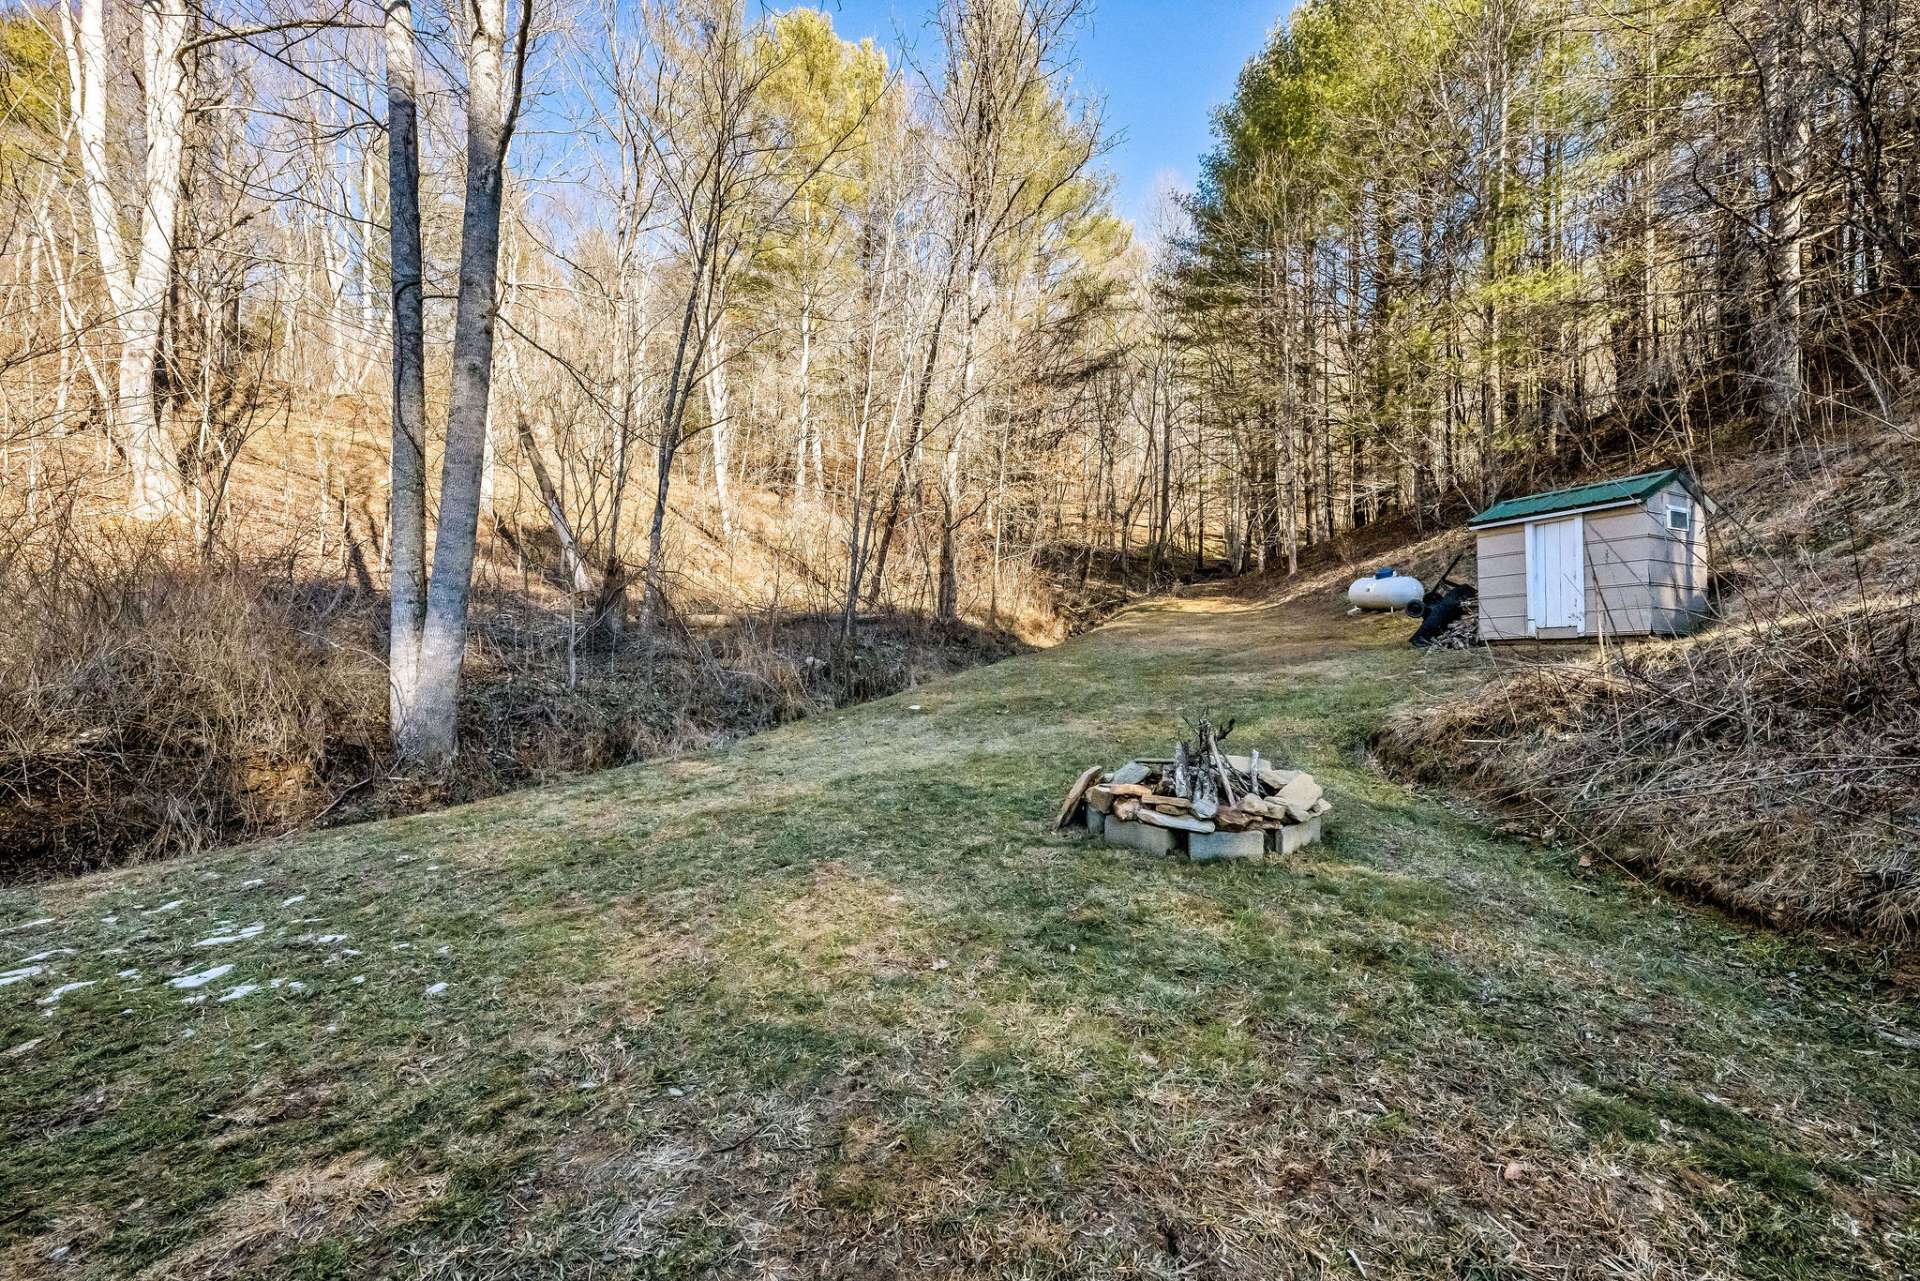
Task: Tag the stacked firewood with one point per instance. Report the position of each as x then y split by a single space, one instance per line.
1199 790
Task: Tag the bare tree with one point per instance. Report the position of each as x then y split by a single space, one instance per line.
495 81
407 510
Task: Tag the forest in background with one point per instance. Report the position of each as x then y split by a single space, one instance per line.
557 384
1448 251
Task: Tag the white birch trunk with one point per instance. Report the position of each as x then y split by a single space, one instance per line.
806 397
137 288
722 430
444 640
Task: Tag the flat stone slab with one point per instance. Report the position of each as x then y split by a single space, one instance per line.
1207 847
1139 836
1296 836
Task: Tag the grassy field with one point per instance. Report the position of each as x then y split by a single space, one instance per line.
833 1003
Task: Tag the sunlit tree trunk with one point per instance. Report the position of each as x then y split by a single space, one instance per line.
490 110
407 534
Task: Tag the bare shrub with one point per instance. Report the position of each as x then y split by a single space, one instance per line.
1773 766
150 706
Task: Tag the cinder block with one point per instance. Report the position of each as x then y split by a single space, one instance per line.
1296 836
1096 821
1206 847
1140 836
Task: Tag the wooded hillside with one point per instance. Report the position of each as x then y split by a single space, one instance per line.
1448 251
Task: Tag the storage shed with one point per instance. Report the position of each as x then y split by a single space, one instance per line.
1624 557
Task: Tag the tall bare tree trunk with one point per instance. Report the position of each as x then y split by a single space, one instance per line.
138 289
491 107
805 374
720 427
1787 137
407 513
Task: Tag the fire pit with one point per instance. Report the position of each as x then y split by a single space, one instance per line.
1201 801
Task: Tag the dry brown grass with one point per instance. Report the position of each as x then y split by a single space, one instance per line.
1774 767
151 706
158 696
257 1226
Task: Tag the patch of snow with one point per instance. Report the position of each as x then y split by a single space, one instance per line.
358 978
21 975
65 988
28 925
109 920
258 880
328 938
128 974
187 1034
436 989
350 951
24 1046
403 947
292 985
202 978
235 993
50 952
290 901
444 949
238 936
164 907
194 1000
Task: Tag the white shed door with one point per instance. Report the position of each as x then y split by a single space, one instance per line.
1556 575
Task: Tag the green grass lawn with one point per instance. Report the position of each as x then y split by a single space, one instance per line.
835 1003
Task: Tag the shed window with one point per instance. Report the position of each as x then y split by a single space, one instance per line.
1679 514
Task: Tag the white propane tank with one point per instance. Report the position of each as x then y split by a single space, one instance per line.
1385 589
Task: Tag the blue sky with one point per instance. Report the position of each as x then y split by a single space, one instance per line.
1160 65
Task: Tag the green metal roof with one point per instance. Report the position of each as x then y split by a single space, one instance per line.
1626 489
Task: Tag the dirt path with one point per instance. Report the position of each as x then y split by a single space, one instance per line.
834 1003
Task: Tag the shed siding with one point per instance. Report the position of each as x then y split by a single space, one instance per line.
1502 560
1620 549
1681 582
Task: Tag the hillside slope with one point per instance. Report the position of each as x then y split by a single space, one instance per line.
1772 761
833 1003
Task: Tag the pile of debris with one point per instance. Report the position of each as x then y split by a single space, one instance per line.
1200 801
1462 633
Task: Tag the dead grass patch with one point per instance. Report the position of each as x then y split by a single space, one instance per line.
253 1229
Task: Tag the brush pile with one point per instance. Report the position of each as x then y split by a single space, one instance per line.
1200 801
1773 766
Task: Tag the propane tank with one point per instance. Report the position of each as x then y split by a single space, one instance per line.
1386 590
